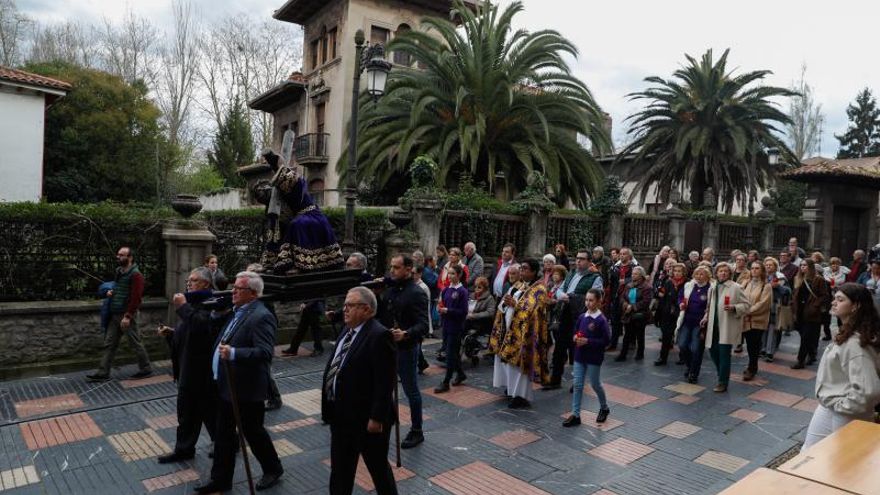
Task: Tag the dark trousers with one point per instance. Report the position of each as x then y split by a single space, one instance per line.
309 320
407 363
634 331
667 333
809 341
616 328
274 393
453 354
226 441
826 325
562 351
195 407
345 448
753 339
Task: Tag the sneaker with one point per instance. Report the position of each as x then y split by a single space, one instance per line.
571 421
603 415
141 374
443 387
413 438
98 377
459 380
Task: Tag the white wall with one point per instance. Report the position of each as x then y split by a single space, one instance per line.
231 199
22 117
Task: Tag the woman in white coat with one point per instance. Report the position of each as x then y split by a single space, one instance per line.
728 304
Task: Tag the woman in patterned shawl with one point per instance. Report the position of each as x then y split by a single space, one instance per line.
520 339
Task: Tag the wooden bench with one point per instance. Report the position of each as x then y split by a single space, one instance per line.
764 480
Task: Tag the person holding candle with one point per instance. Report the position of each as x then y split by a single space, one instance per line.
724 321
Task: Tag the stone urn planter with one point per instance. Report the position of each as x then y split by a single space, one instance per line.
186 205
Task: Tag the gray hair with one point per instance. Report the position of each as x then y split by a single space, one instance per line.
360 258
366 296
599 249
202 274
254 281
549 257
471 244
640 270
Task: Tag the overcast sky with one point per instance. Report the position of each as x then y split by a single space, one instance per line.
623 42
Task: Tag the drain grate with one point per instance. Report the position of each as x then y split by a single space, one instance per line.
784 457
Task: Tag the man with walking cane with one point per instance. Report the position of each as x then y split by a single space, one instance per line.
357 396
240 366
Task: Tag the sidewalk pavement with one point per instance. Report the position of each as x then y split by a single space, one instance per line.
60 434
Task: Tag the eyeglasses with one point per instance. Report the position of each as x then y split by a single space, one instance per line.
352 305
237 288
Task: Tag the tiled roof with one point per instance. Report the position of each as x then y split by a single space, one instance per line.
844 170
22 77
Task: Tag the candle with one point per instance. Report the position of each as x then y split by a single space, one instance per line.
832 281
727 300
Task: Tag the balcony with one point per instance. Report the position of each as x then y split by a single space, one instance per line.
311 149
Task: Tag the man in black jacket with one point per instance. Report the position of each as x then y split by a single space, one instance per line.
191 345
357 397
404 310
246 345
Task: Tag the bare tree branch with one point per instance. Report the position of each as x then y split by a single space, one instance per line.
805 132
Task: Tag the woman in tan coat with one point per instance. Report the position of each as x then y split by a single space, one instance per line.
756 320
727 306
811 300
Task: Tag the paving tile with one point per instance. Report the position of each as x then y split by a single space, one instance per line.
721 461
162 422
746 415
588 418
18 477
138 445
301 352
514 439
169 480
757 381
625 396
152 380
292 425
806 405
58 431
285 448
783 370
464 396
776 397
685 388
55 403
679 429
684 399
307 402
363 479
621 451
405 415
434 370
481 478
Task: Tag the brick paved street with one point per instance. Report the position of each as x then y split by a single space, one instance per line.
59 434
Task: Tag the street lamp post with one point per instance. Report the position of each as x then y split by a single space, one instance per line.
371 59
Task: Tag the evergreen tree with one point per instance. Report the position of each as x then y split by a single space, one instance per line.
233 145
862 137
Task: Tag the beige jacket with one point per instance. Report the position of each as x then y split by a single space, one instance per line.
760 297
848 379
729 322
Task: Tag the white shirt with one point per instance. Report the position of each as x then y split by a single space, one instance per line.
356 331
500 277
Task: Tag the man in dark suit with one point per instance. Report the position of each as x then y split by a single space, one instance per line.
246 345
191 343
404 310
357 398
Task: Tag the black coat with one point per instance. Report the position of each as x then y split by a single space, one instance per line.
254 343
405 305
191 347
365 382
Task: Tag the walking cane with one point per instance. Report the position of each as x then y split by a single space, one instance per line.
237 415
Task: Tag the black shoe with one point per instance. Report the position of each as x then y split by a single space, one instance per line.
680 362
518 403
290 352
826 338
571 421
269 480
738 349
611 348
141 374
441 358
317 352
660 362
811 360
551 386
692 378
797 366
620 358
571 389
603 415
98 377
640 357
174 457
273 405
413 438
212 486
769 358
443 387
459 380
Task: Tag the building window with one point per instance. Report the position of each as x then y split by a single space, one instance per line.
319 117
316 190
379 35
331 40
314 51
401 58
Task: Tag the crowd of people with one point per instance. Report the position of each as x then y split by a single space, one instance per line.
529 317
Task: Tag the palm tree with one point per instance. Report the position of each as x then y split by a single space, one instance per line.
706 127
485 99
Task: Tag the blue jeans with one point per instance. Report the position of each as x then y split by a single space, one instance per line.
407 370
578 372
691 347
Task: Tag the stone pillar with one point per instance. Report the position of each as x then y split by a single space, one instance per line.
764 220
710 233
537 241
426 217
186 245
397 242
614 234
814 214
676 227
